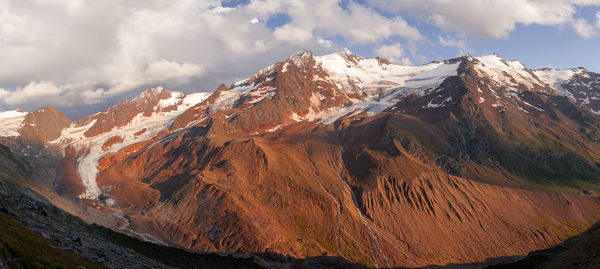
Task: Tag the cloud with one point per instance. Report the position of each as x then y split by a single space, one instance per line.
393 52
584 29
325 43
326 18
3 92
486 18
390 51
461 43
91 52
45 89
220 10
159 72
457 43
598 19
293 34
71 53
164 70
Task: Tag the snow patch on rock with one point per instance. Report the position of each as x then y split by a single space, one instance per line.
11 122
372 77
507 74
90 148
556 78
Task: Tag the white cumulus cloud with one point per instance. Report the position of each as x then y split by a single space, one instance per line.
164 70
292 34
82 52
584 29
44 89
86 53
3 92
390 51
355 22
460 43
393 52
90 52
487 18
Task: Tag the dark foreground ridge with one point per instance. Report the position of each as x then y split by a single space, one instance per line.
580 251
38 235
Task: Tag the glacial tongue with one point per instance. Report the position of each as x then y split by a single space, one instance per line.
124 124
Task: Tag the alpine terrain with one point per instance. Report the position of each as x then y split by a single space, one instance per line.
472 160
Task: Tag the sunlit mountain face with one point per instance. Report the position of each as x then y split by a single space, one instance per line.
335 155
299 134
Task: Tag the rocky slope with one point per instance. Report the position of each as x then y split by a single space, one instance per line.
580 251
451 162
43 236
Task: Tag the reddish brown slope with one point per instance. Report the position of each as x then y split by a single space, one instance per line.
44 125
492 134
413 186
288 86
279 193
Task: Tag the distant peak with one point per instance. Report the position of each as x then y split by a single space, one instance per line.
151 92
300 54
155 90
50 108
47 109
223 87
464 58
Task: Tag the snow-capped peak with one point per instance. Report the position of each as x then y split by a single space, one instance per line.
149 93
300 55
371 76
510 74
367 84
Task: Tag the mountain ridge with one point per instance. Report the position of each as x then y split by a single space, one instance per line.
476 150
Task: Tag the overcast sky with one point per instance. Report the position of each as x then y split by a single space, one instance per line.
84 55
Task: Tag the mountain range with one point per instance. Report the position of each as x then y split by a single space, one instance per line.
460 161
